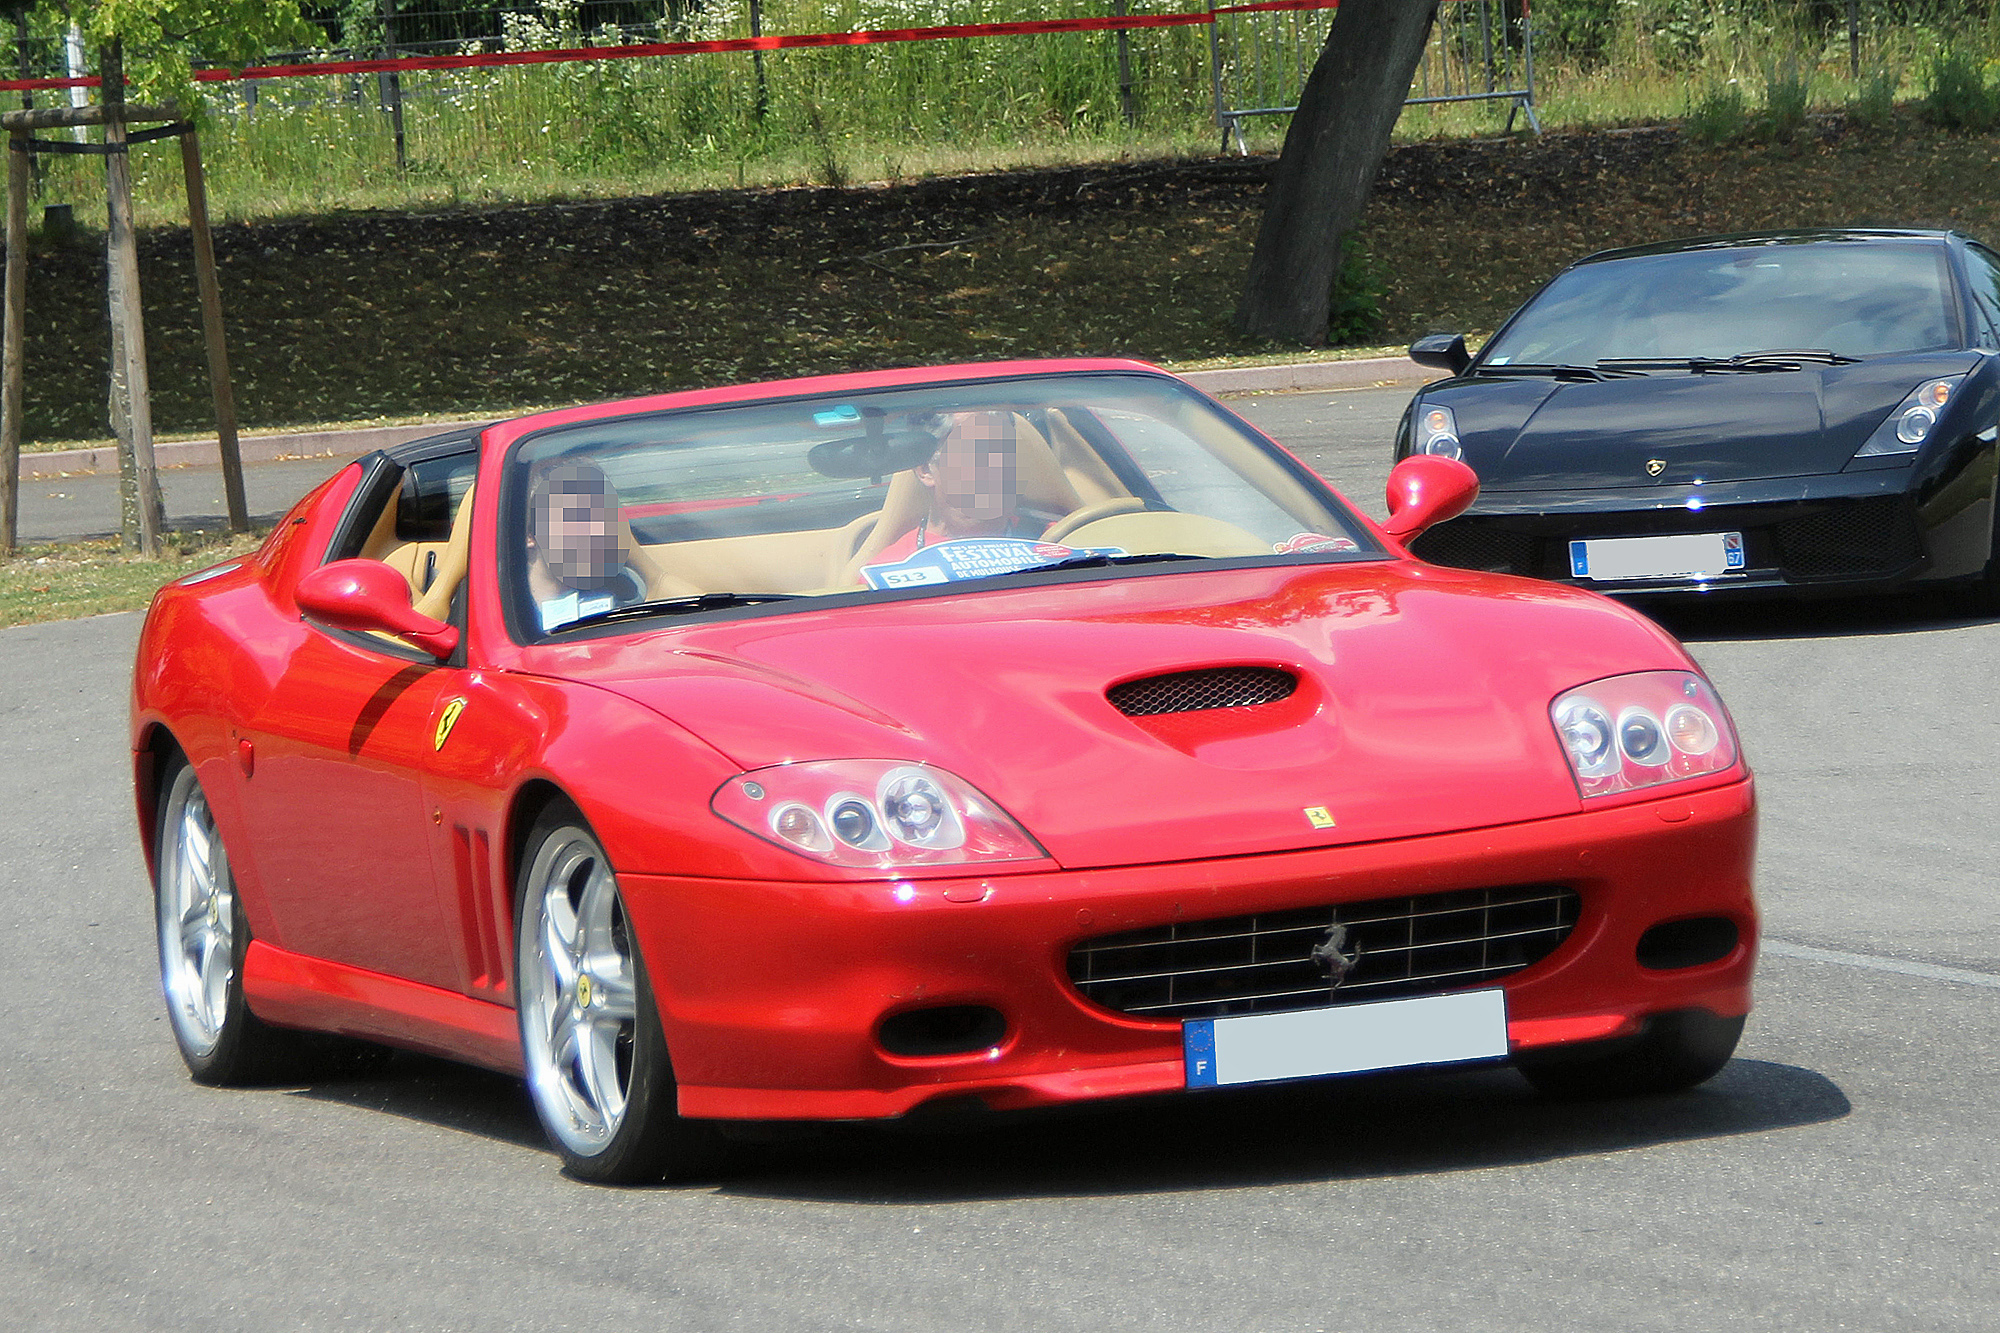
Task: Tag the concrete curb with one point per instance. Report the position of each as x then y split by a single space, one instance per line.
1380 372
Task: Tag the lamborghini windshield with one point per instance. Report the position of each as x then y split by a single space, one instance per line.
888 490
1847 298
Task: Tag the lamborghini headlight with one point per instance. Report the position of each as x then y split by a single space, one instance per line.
1905 429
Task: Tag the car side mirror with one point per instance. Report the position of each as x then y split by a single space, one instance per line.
368 596
1442 351
1425 490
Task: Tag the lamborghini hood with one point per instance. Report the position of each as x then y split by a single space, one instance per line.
1674 428
1420 703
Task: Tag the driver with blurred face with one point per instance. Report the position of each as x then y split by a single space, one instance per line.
970 485
576 560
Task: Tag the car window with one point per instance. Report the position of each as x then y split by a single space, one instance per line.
1853 298
1983 271
899 489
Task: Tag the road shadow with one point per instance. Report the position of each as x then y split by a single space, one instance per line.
438 1092
1397 1125
1759 619
1421 1123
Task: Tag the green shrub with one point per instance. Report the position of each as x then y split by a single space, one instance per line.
1956 93
1787 93
1354 316
1874 103
1716 114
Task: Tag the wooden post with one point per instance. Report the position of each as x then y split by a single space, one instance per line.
15 336
143 515
211 327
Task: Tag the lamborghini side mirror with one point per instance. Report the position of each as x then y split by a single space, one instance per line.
1441 351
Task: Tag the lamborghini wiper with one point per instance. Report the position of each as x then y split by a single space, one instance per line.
1603 370
1745 362
677 606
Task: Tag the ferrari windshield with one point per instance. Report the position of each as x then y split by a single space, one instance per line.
896 489
1850 298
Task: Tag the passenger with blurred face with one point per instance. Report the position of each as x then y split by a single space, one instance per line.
576 560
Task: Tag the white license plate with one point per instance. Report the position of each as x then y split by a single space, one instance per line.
1685 555
1346 1039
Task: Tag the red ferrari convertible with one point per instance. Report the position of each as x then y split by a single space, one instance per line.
1012 734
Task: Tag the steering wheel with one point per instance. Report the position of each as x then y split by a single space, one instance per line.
1090 513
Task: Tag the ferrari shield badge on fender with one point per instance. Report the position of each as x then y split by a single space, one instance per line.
446 721
1319 816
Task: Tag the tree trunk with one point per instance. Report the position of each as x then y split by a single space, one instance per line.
1336 143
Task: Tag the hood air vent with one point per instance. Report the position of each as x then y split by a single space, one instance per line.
1196 691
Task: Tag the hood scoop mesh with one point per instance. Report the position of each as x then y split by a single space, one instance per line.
1199 691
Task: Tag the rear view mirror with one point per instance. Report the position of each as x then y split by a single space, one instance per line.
368 596
1442 351
1425 490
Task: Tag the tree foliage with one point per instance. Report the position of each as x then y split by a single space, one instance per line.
165 40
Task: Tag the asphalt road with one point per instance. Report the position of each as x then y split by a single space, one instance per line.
1838 1175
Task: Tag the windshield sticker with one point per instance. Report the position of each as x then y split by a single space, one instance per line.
973 558
1313 541
837 416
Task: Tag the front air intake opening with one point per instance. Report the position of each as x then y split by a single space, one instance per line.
1689 943
945 1029
1195 691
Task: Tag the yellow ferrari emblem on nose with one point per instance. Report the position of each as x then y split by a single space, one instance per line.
1319 816
446 721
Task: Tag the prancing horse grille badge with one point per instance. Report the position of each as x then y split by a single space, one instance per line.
1332 956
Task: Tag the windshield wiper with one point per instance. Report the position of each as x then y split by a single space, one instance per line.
1749 362
1099 560
677 606
1603 370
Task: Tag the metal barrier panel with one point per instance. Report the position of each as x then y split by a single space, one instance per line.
1261 53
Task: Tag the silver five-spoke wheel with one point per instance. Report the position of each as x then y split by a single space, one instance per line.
197 918
579 1009
596 1058
203 935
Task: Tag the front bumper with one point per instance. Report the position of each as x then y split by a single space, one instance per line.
772 995
1850 532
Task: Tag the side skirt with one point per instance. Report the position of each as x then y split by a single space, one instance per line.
292 990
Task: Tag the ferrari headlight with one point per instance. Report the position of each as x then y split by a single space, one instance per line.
1437 433
1905 429
1642 730
873 813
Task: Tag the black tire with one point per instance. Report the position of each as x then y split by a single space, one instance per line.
1675 1052
202 937
598 1070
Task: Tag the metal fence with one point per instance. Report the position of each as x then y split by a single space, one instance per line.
1260 55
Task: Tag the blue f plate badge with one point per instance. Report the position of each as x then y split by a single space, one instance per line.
1346 1039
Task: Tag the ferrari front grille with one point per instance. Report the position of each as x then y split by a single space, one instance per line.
1275 961
1193 691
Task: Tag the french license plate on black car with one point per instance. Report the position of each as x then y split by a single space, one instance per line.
1346 1039
1682 555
